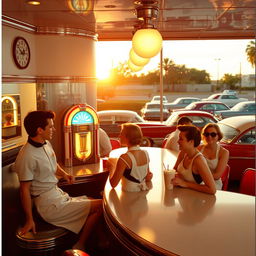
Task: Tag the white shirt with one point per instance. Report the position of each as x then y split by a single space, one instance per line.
37 164
172 141
104 142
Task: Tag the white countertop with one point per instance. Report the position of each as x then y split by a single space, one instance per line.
183 221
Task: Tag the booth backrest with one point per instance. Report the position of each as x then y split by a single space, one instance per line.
12 212
247 183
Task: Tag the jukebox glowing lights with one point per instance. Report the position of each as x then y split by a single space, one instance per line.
81 135
82 117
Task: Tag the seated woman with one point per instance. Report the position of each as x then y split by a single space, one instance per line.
191 165
132 168
215 155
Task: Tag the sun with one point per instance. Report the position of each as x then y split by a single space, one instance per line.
102 74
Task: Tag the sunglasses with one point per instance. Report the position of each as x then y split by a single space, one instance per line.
212 134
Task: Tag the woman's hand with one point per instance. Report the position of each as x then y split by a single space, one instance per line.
179 181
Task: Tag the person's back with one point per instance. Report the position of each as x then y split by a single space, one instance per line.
104 143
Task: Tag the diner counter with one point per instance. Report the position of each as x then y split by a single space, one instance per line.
179 221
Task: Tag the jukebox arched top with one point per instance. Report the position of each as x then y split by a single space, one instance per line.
81 114
81 135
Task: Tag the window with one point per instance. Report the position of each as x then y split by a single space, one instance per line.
208 107
248 138
220 107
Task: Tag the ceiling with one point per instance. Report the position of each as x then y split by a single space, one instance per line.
116 19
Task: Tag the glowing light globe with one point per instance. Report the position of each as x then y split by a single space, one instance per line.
147 43
137 60
133 67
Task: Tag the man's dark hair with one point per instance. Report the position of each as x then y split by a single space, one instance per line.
36 119
191 133
184 120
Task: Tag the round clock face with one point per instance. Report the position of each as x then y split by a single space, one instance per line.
21 52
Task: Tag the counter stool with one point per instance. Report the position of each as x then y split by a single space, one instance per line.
47 238
75 252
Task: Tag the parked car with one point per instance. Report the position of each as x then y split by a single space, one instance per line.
230 92
110 120
154 133
181 102
240 109
151 111
239 139
208 106
157 98
229 100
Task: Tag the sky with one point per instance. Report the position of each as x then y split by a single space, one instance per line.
217 57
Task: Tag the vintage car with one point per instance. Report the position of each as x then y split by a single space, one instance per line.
110 120
228 99
155 132
240 109
151 111
239 139
181 102
157 98
208 106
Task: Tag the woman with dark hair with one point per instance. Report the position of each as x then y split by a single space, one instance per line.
191 165
215 155
132 168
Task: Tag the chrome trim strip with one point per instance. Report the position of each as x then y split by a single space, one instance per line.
241 158
8 21
66 31
46 79
62 79
18 79
11 22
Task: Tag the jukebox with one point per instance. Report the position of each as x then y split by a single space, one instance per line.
81 135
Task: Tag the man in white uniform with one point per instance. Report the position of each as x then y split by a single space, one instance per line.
172 140
39 172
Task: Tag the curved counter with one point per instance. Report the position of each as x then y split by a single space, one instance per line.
179 221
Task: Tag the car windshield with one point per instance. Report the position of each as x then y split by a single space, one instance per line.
229 133
155 106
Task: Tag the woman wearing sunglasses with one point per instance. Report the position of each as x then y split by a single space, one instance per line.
216 156
192 169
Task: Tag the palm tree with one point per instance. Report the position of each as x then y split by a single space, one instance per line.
167 65
251 52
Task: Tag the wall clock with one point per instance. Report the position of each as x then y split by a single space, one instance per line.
21 52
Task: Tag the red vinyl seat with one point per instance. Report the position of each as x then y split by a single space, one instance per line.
115 143
225 178
247 183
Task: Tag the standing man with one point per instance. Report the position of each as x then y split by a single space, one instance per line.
172 140
39 172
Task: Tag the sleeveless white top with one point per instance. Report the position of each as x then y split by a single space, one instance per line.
137 172
187 173
212 163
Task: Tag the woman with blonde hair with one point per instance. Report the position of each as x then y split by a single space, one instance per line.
132 168
215 155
